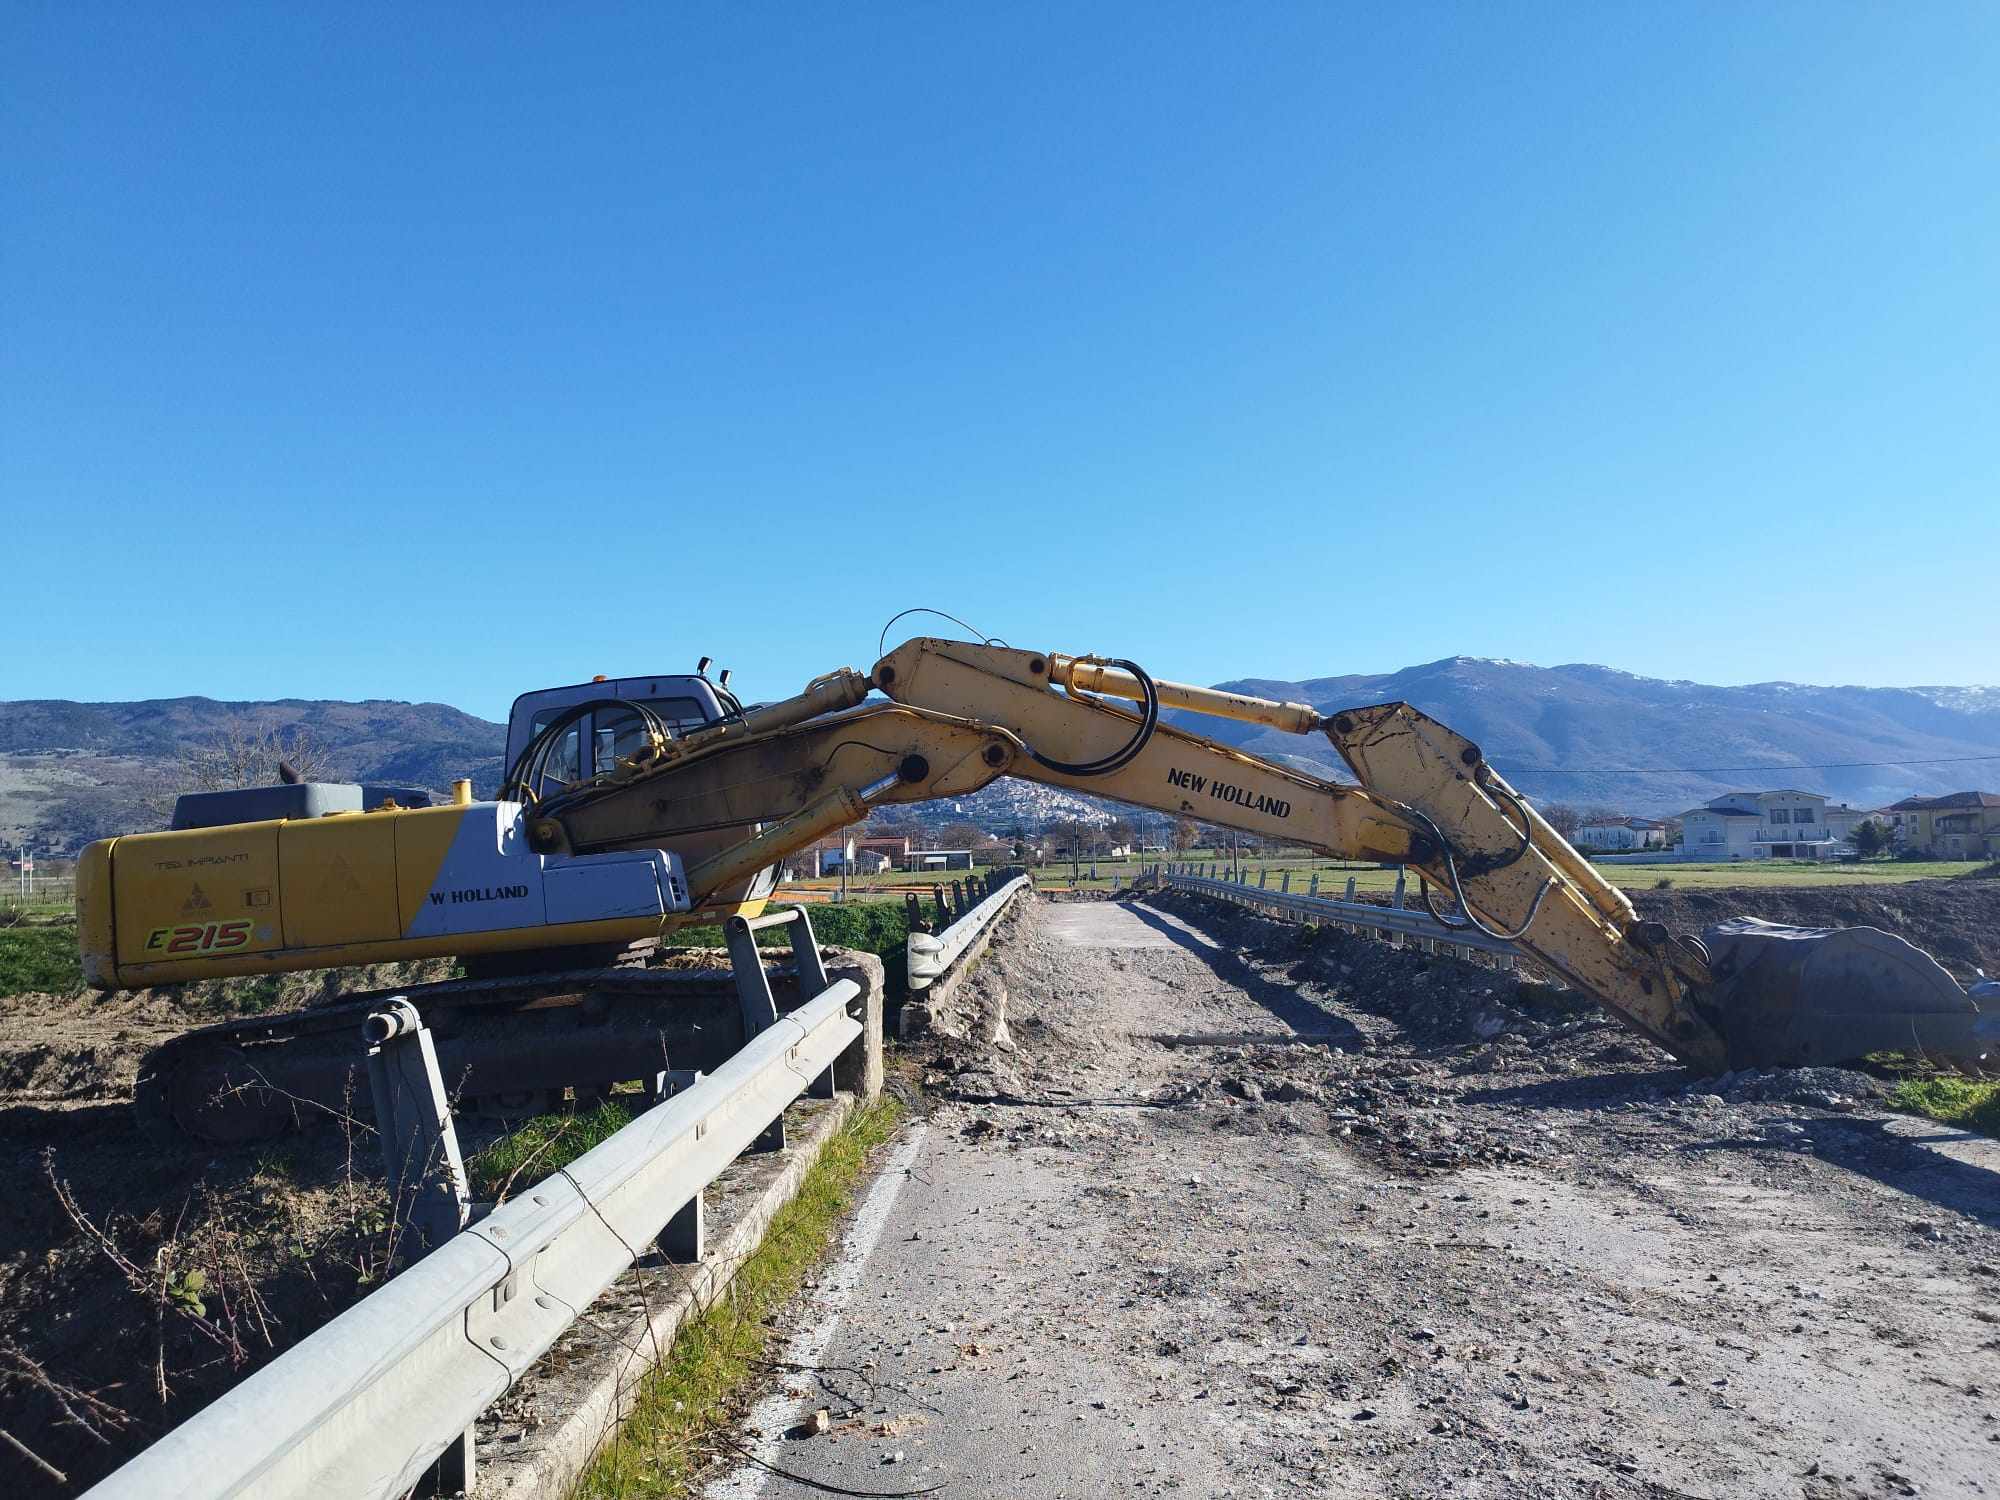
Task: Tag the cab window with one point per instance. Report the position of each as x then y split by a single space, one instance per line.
562 766
617 732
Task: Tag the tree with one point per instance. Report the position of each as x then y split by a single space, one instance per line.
1872 837
244 754
1121 831
236 753
1187 833
1563 818
960 835
1074 836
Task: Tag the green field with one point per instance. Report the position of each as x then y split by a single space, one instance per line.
1965 1102
1334 874
39 958
1764 872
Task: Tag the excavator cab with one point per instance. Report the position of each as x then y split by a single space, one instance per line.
591 746
607 730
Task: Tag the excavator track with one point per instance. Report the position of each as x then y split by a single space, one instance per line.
506 1046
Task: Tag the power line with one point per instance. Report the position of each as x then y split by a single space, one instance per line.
1839 765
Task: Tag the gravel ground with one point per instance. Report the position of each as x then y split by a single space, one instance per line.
1219 1211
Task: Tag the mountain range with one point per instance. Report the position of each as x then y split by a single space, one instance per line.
76 771
1577 733
72 772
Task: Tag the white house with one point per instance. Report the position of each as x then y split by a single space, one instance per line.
1842 819
938 859
1784 824
1621 833
824 858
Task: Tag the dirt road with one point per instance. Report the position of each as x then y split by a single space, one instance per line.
1221 1215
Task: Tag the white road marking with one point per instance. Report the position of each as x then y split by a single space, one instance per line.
772 1416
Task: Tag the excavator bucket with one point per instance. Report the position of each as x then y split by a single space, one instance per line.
1805 996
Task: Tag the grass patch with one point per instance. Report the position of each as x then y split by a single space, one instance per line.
869 925
42 959
878 927
1967 1103
538 1147
718 1354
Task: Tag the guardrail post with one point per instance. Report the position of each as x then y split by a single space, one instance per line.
813 982
753 985
1401 874
1312 887
1350 888
756 1003
1262 876
685 1239
420 1157
1285 883
913 911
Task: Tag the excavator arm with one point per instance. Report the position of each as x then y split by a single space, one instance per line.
963 715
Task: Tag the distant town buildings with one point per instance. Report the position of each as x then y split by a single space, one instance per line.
1785 824
1958 825
823 858
938 859
892 848
1622 834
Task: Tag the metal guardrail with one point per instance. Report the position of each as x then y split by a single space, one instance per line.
1400 923
930 955
367 1404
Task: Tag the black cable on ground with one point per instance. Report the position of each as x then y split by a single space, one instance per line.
821 1485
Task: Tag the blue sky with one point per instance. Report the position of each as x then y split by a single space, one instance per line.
440 352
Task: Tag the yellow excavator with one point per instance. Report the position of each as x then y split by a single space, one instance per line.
634 808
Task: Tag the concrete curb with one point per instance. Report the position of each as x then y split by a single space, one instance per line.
536 1442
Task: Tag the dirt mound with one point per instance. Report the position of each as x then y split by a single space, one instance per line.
1434 999
42 1070
1435 1034
139 1279
1957 921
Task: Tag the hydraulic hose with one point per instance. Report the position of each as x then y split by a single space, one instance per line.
1104 765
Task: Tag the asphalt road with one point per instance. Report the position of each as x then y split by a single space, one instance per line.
1168 1252
957 1336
